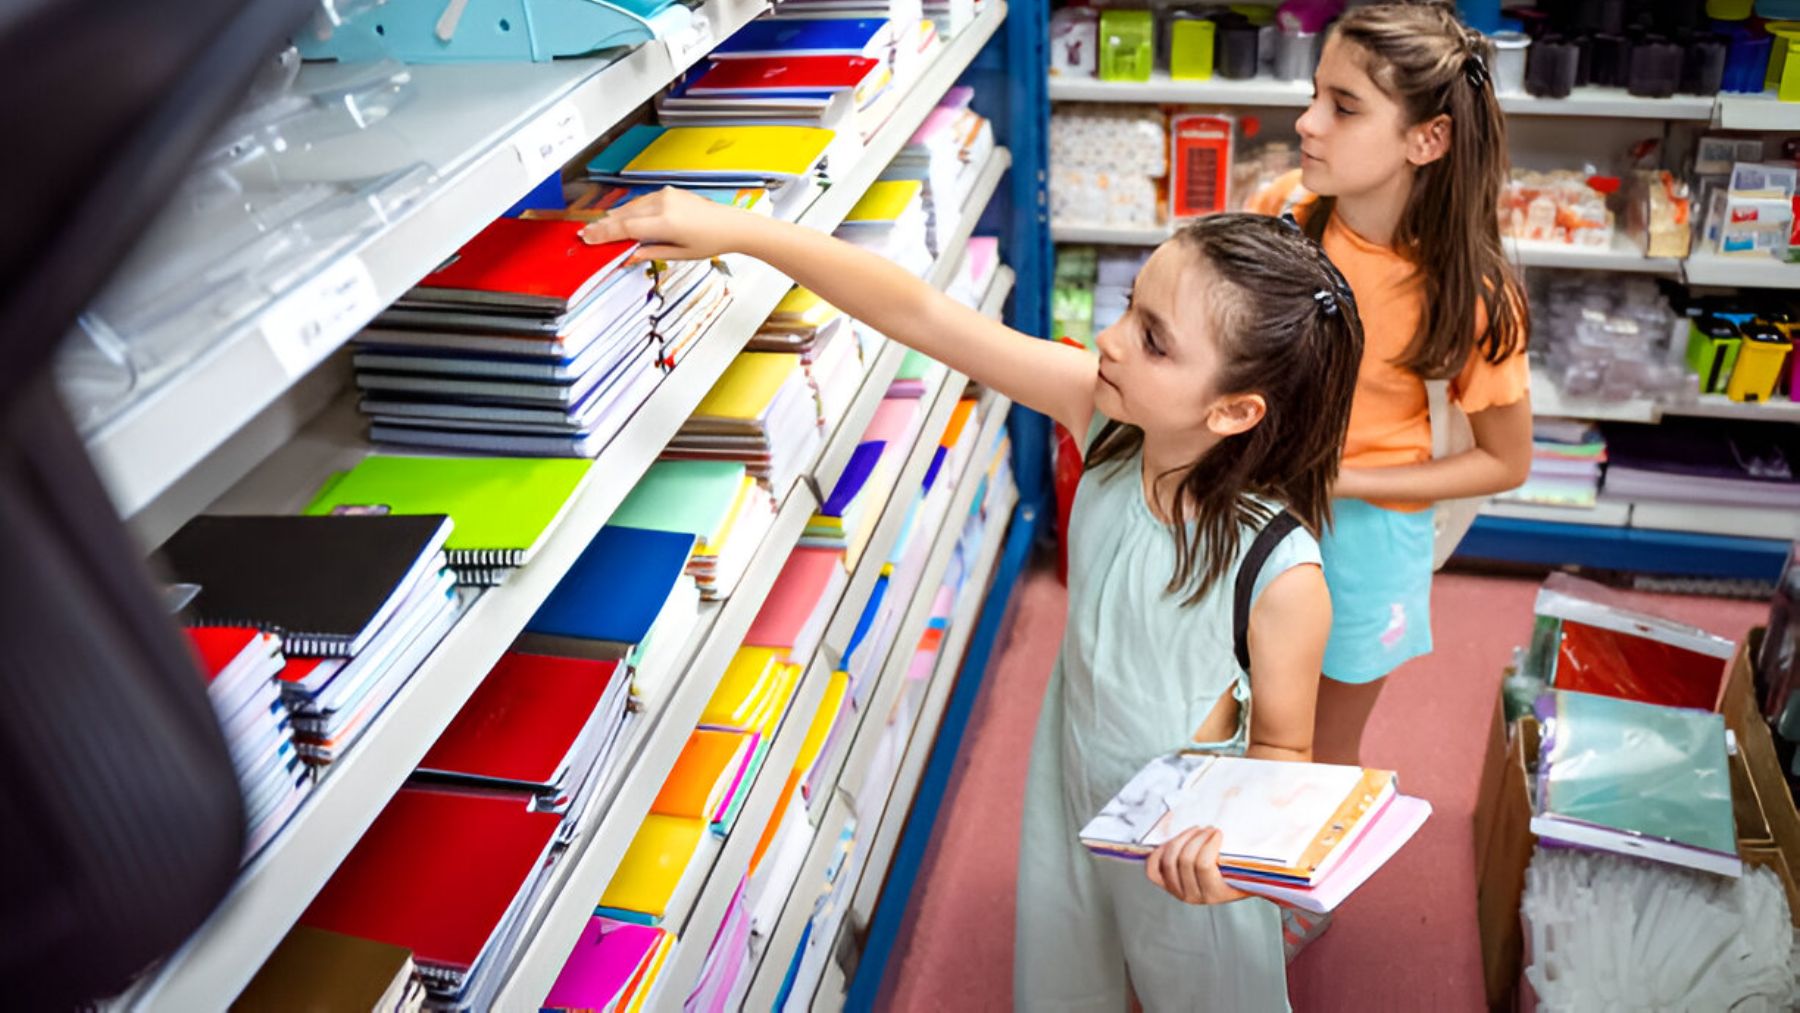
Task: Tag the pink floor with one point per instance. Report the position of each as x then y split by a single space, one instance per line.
1406 941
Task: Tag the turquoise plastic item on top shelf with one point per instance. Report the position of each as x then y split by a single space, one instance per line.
1778 10
481 31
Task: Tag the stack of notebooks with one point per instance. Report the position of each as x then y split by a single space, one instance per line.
832 349
946 154
1566 459
788 162
241 666
781 850
1636 779
915 370
317 970
891 220
761 413
725 977
975 273
528 341
504 508
794 615
615 967
358 601
453 877
836 74
541 730
846 520
1305 834
627 598
691 296
829 901
718 503
1708 462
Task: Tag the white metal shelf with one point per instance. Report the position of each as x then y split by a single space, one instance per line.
1740 272
1548 400
489 133
227 950
1709 519
1603 514
1622 255
1757 112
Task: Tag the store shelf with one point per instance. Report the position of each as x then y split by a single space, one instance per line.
1592 103
1740 272
1718 406
781 944
1548 400
1757 112
1109 235
944 271
1730 521
1622 255
216 962
1606 515
488 133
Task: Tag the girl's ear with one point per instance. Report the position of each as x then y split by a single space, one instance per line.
1428 141
1236 413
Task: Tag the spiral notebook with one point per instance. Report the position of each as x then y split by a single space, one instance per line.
325 584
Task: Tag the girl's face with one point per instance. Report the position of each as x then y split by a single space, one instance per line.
1159 361
1353 138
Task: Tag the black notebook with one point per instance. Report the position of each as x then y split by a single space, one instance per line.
325 584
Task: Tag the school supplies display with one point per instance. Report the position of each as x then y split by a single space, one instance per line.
1588 642
615 966
711 778
658 864
1708 462
761 413
1566 461
946 154
503 508
787 161
891 220
1307 834
715 501
1635 779
241 666
846 520
315 969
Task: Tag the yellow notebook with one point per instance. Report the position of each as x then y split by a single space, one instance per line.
774 703
822 723
802 307
885 201
748 386
653 865
741 689
758 150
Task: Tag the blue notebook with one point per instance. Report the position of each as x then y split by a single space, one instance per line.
856 474
616 588
804 37
627 146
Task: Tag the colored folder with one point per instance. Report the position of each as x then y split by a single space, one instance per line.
763 151
794 615
711 777
743 689
856 475
808 37
695 497
524 723
748 386
528 262
652 869
763 74
603 965
616 588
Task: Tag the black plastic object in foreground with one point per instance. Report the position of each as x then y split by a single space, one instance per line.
121 823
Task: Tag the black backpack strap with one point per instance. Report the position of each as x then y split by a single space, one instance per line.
1278 528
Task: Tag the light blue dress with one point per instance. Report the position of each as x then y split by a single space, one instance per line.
1138 674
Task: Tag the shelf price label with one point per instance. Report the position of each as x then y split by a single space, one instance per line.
319 315
691 43
551 140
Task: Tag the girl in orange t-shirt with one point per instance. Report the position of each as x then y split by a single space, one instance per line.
1403 154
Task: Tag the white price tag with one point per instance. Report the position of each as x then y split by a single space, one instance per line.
553 139
691 43
307 323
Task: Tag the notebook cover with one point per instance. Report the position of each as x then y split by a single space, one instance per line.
218 646
524 719
519 256
603 964
653 865
498 503
767 151
785 73
803 307
436 872
913 367
637 996
808 36
613 158
362 973
616 587
795 596
302 577
1393 827
748 386
706 775
741 689
885 201
689 497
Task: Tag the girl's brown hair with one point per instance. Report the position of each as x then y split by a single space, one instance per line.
1286 327
1433 65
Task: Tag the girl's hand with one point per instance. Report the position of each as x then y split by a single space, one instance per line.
1187 866
1352 483
673 224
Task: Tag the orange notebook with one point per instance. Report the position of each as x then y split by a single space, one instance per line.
707 776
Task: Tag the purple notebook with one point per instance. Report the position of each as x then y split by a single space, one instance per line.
856 475
602 965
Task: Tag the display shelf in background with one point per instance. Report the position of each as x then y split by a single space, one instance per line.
1757 112
1709 519
1703 268
1605 514
1622 255
1548 400
490 133
268 896
1109 235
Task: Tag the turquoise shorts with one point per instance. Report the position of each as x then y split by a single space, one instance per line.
1378 568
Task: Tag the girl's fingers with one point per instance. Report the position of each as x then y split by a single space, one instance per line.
1192 877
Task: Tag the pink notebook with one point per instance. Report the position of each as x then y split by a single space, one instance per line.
793 617
1395 825
604 962
892 421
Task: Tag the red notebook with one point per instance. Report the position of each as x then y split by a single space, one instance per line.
527 262
236 661
523 721
785 73
436 873
791 615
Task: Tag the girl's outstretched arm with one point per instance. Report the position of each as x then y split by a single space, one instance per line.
1043 375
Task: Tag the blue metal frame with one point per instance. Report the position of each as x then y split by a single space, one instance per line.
1639 550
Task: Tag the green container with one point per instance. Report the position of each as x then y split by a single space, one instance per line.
1712 350
1191 41
1127 45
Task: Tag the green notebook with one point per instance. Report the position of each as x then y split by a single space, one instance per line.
504 507
683 497
913 367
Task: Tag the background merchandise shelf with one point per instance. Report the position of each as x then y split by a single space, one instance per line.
222 955
1741 272
489 133
1757 112
1548 400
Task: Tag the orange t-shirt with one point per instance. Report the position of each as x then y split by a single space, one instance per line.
1390 419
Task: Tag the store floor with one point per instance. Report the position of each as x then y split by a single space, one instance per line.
1406 941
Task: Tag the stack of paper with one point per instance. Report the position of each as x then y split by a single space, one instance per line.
542 729
616 966
794 615
691 295
786 161
1305 834
1566 460
504 508
753 695
829 902
846 520
781 850
528 341
359 603
317 970
717 502
450 876
947 154
830 346
725 977
626 598
891 220
241 666
1636 779
762 413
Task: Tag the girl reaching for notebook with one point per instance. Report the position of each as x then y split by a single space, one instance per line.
1217 407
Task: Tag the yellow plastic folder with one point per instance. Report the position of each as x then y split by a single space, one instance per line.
885 201
653 865
701 783
748 386
758 150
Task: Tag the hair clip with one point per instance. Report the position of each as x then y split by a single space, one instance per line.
1475 69
1288 219
1327 301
